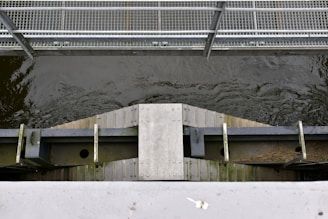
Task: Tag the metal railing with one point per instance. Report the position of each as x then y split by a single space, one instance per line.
36 26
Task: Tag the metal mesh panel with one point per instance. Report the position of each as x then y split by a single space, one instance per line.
109 20
180 25
186 20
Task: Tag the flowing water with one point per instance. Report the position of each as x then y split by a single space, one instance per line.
278 90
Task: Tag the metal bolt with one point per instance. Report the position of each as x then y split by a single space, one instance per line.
155 43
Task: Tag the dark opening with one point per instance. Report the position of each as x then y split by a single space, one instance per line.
222 152
298 149
84 153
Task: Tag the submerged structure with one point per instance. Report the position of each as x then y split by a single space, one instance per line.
164 142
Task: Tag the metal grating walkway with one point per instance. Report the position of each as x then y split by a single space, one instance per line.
68 27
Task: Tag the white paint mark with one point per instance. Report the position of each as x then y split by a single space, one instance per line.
199 204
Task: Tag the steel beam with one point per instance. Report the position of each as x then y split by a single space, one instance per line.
159 32
251 145
214 26
9 24
275 133
110 9
234 9
251 40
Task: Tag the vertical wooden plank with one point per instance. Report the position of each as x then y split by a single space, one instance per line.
209 118
194 169
200 117
223 172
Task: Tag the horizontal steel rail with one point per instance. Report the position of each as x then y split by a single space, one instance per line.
278 133
7 9
182 38
165 0
108 9
263 31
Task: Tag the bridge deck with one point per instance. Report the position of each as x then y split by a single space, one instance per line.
165 26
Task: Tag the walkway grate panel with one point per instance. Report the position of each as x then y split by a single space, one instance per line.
164 25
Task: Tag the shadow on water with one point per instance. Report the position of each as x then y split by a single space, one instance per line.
275 90
13 89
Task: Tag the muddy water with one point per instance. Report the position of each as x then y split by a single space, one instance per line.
53 90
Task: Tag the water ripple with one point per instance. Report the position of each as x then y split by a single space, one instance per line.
276 90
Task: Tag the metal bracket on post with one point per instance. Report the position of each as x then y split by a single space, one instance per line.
95 144
11 27
214 26
197 144
20 143
301 139
36 154
225 142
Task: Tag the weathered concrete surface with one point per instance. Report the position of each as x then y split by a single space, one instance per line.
163 200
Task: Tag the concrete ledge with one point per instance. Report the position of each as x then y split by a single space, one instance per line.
163 200
134 52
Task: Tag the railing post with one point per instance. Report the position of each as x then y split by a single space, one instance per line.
20 144
95 144
302 139
225 142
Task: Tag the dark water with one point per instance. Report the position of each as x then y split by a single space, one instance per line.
53 90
